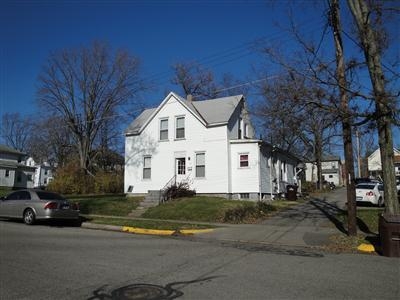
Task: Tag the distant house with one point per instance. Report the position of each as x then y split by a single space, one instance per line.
375 163
331 170
14 172
43 172
209 144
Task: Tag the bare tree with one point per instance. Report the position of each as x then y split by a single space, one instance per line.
384 103
83 86
201 84
16 130
195 80
346 117
292 123
51 141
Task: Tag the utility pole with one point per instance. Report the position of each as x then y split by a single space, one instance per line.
358 152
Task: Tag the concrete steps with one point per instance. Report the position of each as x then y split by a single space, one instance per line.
152 199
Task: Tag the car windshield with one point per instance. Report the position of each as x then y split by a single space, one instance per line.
49 196
365 186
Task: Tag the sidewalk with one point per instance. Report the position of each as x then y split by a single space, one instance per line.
304 225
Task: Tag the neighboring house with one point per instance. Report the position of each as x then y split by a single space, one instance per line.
375 164
43 172
14 172
331 170
209 144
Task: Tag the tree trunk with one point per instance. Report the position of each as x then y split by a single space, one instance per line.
383 109
346 119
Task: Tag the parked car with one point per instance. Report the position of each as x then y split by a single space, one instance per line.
370 192
32 204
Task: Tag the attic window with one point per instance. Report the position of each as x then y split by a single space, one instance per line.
180 128
163 129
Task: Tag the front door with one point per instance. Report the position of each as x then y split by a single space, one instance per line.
180 169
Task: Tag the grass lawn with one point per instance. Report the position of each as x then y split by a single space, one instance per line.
111 205
205 209
367 222
211 209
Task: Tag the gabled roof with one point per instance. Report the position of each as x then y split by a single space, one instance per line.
209 112
6 149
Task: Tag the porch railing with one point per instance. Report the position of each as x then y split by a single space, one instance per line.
163 196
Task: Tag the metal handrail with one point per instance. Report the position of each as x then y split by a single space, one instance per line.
170 182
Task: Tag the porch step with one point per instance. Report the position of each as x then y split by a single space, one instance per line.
152 199
138 212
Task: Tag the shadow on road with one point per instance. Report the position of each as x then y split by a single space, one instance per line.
144 291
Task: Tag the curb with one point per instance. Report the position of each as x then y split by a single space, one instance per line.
145 231
366 248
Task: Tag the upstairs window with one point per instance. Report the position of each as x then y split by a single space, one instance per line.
7 173
200 165
180 128
163 129
147 167
243 160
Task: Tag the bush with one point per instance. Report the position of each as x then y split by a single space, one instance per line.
71 179
249 212
179 190
309 187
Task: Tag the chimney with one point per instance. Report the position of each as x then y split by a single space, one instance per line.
190 98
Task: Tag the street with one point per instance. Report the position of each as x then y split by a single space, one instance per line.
49 262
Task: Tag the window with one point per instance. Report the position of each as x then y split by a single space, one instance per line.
181 166
180 128
163 129
243 160
147 167
45 172
7 173
330 176
29 176
23 195
200 165
244 196
19 177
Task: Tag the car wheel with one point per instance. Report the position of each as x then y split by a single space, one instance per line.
380 202
29 217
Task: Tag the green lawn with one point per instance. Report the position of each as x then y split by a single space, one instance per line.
205 209
367 219
106 204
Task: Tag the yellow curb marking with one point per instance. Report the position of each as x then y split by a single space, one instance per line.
194 231
366 248
147 231
163 232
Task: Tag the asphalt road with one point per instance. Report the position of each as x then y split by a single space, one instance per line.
47 262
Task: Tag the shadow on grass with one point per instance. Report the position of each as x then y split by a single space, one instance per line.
332 212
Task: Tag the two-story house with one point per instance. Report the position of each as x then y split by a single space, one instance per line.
14 173
210 144
375 163
43 172
331 167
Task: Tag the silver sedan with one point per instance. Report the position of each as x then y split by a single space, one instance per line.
31 205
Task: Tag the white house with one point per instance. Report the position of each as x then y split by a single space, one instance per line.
14 172
331 170
43 172
375 163
209 144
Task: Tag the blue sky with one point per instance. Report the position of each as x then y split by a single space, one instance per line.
160 33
